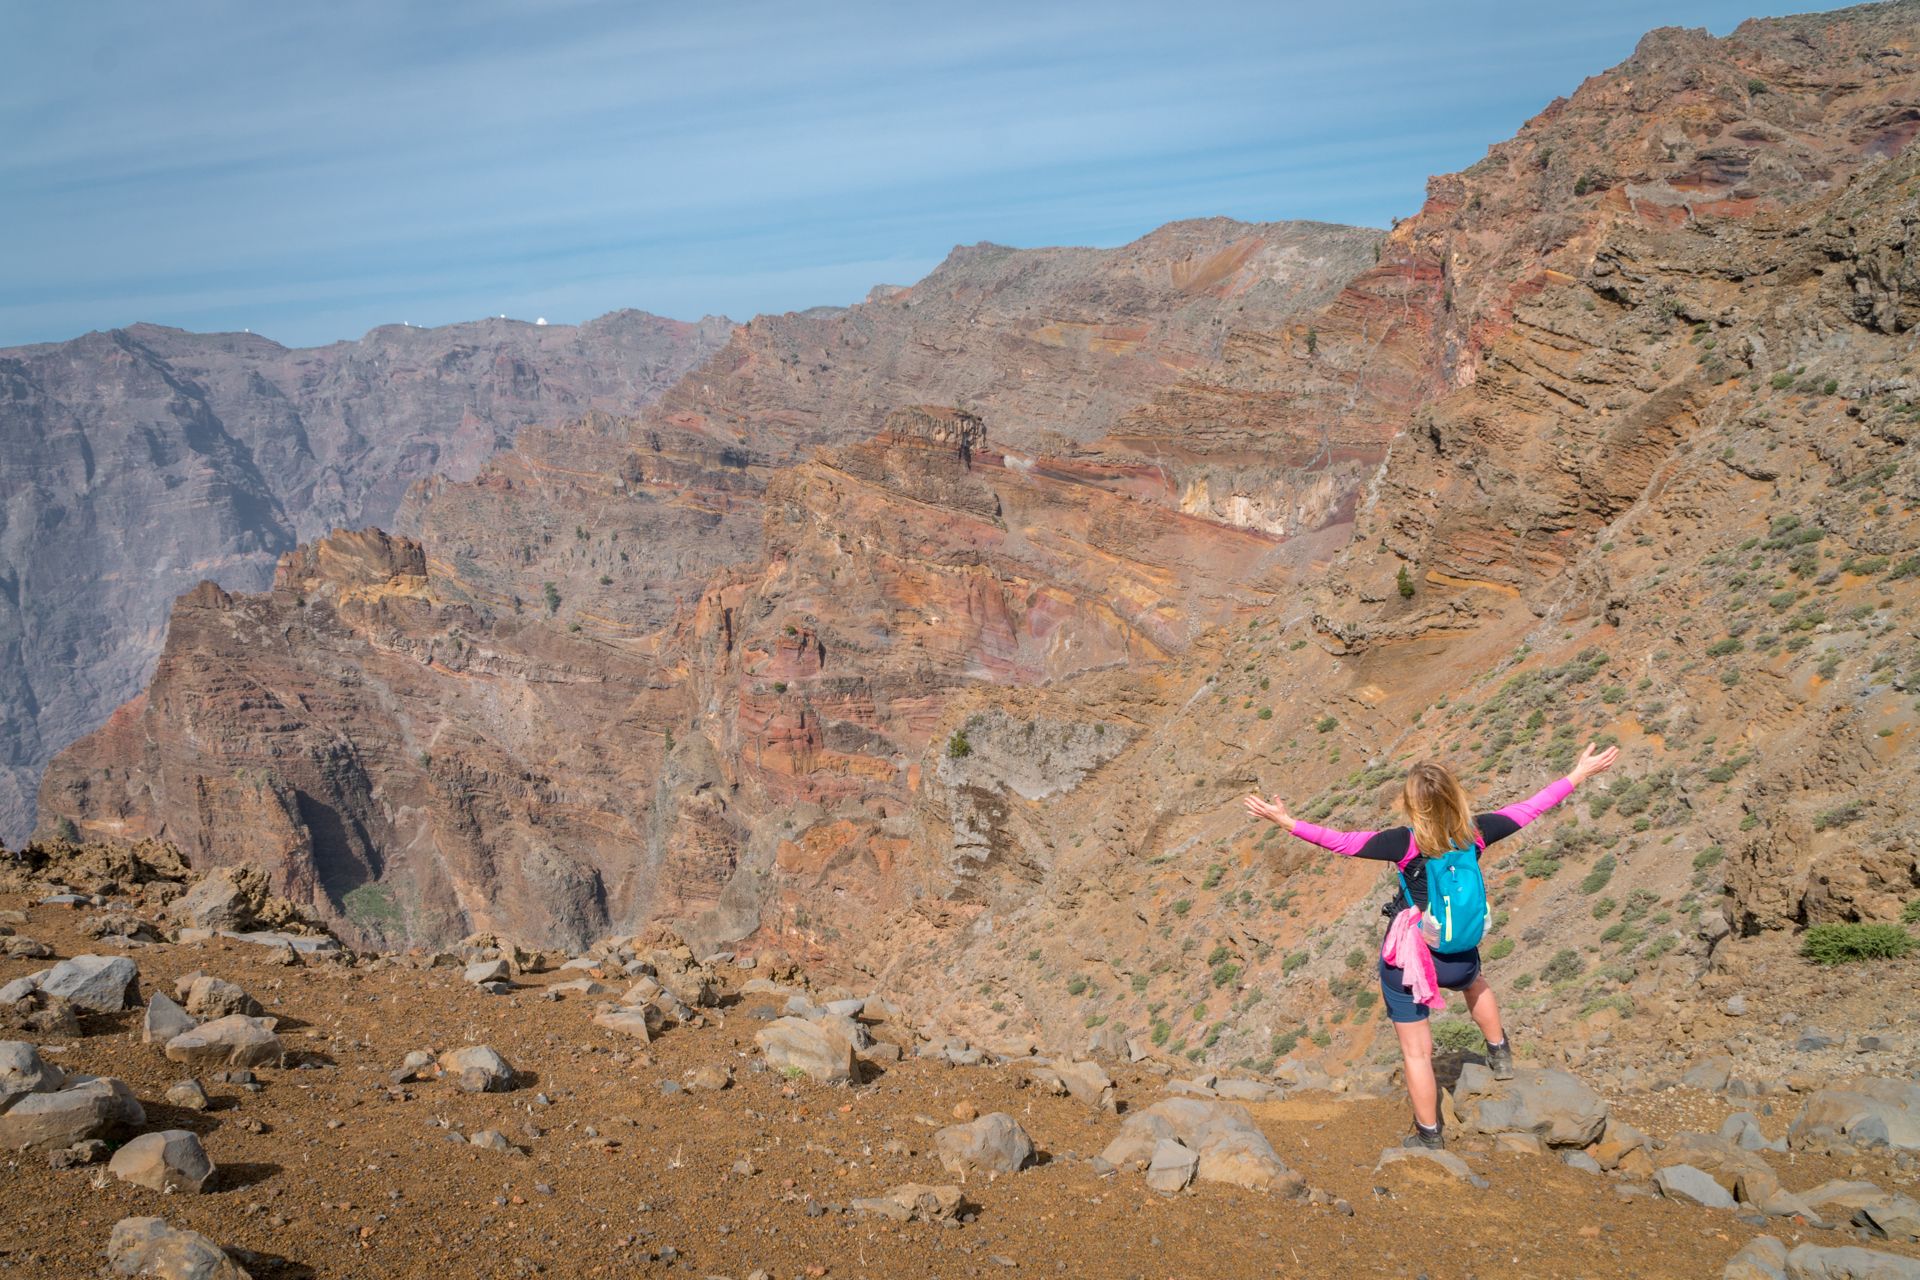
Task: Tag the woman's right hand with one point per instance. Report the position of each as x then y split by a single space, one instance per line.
1592 762
1274 810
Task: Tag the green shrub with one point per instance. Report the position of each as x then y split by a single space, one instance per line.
1284 1042
1849 943
1182 906
1838 816
1501 949
1161 1030
1912 913
1539 866
1457 1035
1293 962
958 748
1225 972
1213 875
1565 964
1076 985
1708 857
1405 582
1602 908
1596 879
1522 982
1321 1038
1326 724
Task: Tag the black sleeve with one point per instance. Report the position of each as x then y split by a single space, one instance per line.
1495 827
1385 846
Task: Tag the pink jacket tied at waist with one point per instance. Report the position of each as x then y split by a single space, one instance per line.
1406 950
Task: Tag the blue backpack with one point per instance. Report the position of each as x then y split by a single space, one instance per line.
1456 895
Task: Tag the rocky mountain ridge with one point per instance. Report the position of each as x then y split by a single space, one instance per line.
137 462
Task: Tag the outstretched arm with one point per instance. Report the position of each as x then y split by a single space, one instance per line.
1504 822
1349 843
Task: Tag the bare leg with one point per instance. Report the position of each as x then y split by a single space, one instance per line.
1416 1054
1485 1010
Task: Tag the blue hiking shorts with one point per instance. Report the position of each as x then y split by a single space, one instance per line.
1454 972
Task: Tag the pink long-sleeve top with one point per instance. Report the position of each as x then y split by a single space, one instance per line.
1395 844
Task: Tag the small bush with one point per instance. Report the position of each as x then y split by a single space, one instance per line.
1457 1035
1838 816
1405 583
1213 875
1565 964
1225 972
1596 879
1293 962
1501 949
1603 908
1707 857
1850 943
1522 982
1182 906
1076 985
958 748
1912 913
1326 724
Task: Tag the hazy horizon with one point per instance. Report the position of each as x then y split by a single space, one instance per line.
312 176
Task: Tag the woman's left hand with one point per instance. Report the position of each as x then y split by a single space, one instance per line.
1274 810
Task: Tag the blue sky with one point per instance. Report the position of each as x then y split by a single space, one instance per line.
310 171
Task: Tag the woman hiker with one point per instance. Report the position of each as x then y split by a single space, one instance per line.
1439 911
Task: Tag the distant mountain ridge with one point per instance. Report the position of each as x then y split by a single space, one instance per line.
136 462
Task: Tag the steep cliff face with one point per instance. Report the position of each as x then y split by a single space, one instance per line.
679 554
1614 438
138 462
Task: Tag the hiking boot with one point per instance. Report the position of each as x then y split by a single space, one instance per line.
1431 1139
1500 1059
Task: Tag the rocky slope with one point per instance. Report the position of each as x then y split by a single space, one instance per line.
200 1103
537 713
138 462
1615 439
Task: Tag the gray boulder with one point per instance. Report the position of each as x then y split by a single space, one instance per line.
640 1022
22 1070
99 984
188 1095
1171 1167
1551 1105
170 1160
217 998
1864 1112
994 1144
232 1041
487 971
149 1247
1848 1262
165 1020
87 1107
1684 1182
796 1045
478 1069
1230 1147
1426 1157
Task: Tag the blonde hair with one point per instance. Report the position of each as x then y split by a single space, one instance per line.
1436 804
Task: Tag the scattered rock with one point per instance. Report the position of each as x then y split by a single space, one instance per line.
1684 1182
189 1095
913 1201
478 1069
149 1247
165 1020
218 998
233 1041
1088 1082
98 984
488 971
712 1077
1230 1147
87 1107
493 1140
22 1070
640 1022
994 1144
1552 1105
1765 1258
1171 1167
798 1046
1863 1112
170 1160
1423 1157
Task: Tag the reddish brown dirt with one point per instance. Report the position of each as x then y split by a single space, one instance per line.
387 1193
